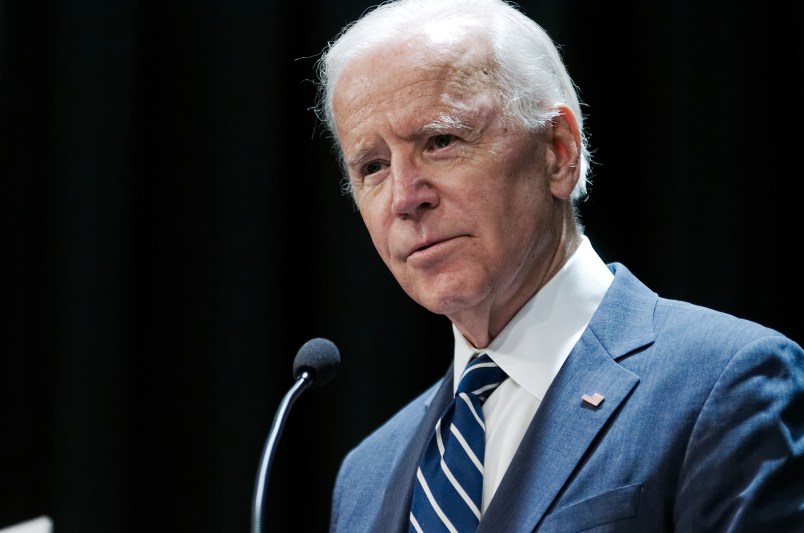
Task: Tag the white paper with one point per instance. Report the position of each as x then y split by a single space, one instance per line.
43 524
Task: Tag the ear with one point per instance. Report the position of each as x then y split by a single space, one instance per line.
563 152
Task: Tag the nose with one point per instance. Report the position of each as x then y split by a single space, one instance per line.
413 193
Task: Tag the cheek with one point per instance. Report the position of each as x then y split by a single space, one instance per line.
378 231
516 221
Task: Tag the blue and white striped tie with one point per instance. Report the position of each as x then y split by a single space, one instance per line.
449 482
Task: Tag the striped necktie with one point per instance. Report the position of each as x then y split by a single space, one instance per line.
449 482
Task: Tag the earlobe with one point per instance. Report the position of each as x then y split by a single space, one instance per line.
565 148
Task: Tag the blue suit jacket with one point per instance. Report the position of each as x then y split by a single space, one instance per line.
701 429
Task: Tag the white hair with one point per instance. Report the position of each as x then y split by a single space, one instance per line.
529 71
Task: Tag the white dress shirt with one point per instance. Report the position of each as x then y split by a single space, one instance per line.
531 349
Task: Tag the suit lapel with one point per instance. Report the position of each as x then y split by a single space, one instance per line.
393 516
565 427
561 432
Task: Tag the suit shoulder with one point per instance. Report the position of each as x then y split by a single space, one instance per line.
700 324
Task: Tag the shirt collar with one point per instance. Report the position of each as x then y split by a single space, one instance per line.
534 344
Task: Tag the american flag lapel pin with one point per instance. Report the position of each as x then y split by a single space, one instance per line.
594 400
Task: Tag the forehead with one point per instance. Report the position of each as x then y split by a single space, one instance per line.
421 77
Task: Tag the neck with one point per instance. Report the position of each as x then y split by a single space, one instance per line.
480 327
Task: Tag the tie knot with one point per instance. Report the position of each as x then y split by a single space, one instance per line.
480 377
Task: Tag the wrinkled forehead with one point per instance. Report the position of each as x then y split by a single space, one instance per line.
442 53
413 79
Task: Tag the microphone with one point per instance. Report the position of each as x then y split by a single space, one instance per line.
316 363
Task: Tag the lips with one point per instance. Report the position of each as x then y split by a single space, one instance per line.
426 246
423 247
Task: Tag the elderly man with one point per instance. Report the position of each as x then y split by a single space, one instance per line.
578 398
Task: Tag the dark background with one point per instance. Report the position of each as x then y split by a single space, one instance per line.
175 231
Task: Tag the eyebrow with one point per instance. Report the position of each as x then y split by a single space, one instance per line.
442 123
357 157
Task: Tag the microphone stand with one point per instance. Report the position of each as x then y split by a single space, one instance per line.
303 382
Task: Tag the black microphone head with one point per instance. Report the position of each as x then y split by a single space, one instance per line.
321 358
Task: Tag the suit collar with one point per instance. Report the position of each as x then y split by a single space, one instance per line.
565 427
624 321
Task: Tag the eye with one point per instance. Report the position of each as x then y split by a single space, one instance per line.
443 140
372 168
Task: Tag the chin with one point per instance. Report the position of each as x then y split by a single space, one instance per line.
446 302
449 293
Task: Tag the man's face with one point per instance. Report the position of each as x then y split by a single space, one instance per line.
457 201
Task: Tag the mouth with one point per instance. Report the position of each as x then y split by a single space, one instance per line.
428 247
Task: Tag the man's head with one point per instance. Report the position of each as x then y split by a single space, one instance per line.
528 69
465 183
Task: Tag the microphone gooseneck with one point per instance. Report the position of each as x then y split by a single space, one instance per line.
316 363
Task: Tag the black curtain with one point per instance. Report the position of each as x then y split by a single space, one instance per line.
175 231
